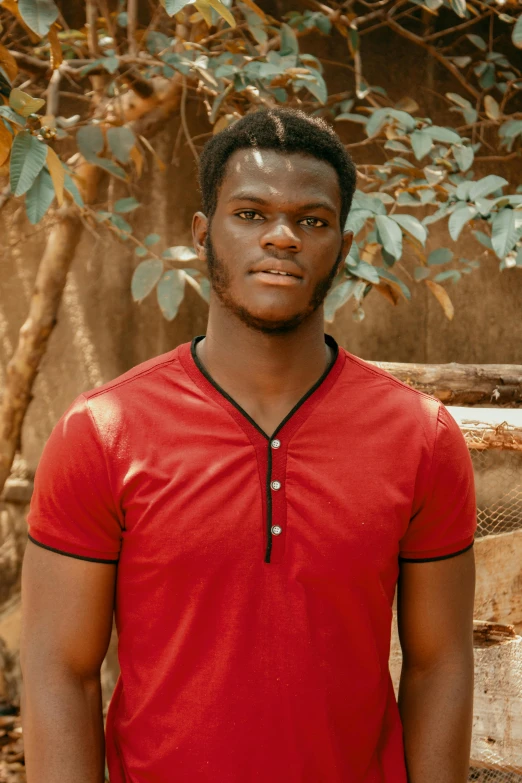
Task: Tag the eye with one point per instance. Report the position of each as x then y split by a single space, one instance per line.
250 214
313 222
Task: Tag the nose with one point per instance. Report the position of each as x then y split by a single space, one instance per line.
281 234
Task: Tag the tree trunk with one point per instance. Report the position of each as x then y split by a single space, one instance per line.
34 334
462 384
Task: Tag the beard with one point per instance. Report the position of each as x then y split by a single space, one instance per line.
220 282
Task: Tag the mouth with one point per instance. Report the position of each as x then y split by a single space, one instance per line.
276 277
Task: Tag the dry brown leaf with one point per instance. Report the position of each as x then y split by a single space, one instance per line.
8 63
370 251
56 170
137 159
6 142
255 8
491 107
442 297
56 47
12 6
388 292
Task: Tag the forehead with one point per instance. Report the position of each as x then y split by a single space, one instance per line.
280 177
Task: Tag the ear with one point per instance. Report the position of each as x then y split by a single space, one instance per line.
347 242
199 234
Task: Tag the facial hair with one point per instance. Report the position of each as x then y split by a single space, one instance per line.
220 282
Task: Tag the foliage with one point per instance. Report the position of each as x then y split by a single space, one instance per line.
236 58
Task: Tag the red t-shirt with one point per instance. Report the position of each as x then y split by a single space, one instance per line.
255 575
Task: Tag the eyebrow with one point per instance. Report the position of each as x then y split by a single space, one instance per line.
245 196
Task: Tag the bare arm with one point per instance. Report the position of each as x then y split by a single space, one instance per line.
435 612
67 607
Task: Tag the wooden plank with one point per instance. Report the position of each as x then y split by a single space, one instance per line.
490 428
498 592
497 712
462 384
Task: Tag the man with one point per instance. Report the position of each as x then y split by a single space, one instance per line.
246 504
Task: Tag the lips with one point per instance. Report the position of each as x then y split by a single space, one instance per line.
277 268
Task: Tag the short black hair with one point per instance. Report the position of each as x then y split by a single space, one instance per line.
283 130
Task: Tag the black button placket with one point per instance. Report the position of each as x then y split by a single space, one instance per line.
275 500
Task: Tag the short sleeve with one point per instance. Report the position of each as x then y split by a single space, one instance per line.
72 509
445 515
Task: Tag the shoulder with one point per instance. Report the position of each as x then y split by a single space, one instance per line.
390 395
138 378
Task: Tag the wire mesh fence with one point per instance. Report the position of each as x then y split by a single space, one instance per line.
498 482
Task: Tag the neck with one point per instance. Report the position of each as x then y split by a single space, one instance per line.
263 366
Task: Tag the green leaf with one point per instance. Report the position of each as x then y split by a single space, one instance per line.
12 116
463 155
121 224
459 100
145 277
483 239
170 291
365 271
458 220
38 15
111 64
390 235
444 135
317 86
491 107
440 256
121 140
485 186
376 122
459 6
71 187
412 226
421 143
516 35
504 232
421 273
110 166
337 297
90 141
126 205
478 41
289 42
448 274
141 252
39 197
151 239
356 220
27 160
509 131
173 6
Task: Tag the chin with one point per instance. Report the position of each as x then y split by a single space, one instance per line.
270 322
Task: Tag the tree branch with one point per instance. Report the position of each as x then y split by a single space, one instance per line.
416 39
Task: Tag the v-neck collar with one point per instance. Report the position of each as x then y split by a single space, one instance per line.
330 373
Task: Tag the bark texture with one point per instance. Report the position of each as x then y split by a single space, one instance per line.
462 384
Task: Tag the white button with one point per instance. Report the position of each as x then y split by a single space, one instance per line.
276 530
276 485
275 444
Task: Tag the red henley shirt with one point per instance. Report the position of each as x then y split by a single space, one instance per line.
255 575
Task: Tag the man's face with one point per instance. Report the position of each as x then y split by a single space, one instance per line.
275 242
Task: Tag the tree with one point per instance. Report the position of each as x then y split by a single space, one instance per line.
141 64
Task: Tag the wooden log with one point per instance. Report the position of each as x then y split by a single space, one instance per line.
497 711
498 594
488 428
462 384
